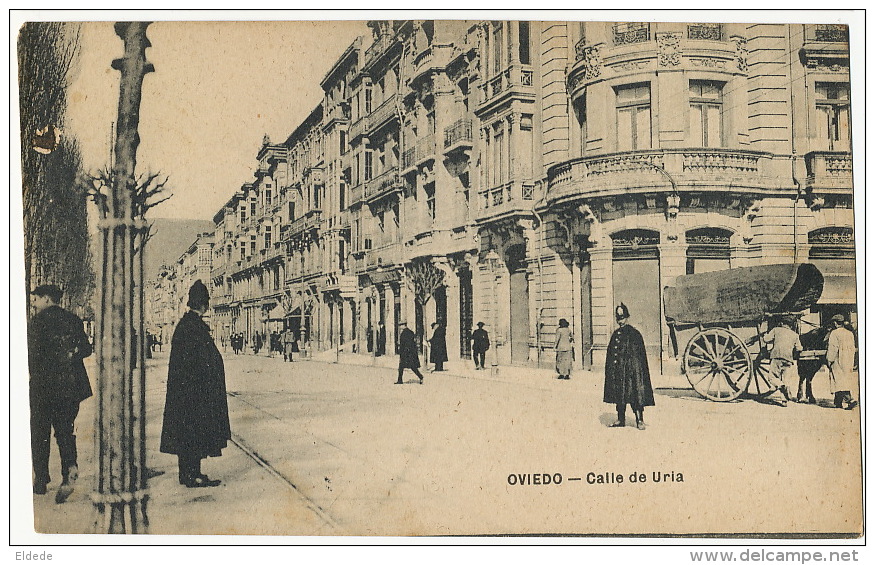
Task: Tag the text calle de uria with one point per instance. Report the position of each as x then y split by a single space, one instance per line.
634 477
593 478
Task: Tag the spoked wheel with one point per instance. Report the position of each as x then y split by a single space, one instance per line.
718 364
764 381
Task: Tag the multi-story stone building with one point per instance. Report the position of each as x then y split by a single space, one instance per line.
517 173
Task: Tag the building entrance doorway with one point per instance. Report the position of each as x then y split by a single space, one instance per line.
635 278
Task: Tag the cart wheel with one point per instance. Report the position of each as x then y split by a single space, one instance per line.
718 364
763 382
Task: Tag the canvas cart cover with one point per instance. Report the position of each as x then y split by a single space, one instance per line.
743 294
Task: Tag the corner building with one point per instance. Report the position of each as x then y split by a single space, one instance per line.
517 173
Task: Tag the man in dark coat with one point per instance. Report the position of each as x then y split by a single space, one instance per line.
627 377
480 339
408 356
381 340
438 349
196 423
56 344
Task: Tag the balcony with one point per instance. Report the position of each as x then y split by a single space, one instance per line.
385 183
458 138
408 161
829 171
312 220
631 32
516 79
313 175
709 170
383 114
505 199
384 256
356 194
359 128
425 149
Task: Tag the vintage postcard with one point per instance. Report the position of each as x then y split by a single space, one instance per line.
292 274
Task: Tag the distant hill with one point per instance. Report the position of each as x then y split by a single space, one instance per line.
171 238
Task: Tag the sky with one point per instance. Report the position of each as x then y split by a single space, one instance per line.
217 89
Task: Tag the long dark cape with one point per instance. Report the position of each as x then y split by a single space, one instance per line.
627 376
196 411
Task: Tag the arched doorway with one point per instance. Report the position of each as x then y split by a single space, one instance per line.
635 275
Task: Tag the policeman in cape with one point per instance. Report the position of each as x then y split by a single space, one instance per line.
627 376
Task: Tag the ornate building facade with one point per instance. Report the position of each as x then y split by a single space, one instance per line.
517 173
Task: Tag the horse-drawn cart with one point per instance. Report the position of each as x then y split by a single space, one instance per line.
724 315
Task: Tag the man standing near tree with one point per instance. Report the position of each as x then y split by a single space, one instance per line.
57 344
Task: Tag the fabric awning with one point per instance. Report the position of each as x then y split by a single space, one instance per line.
839 289
277 313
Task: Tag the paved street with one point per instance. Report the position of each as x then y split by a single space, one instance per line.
325 449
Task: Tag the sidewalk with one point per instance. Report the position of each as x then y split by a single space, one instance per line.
252 499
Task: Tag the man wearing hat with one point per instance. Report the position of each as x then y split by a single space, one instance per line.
480 339
56 346
786 348
627 376
196 423
840 351
408 356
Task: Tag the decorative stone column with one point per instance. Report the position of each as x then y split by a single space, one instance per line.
451 282
602 300
389 293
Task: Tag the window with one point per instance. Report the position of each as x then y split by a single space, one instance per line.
342 142
497 158
580 114
291 211
267 237
268 197
252 204
430 199
706 109
833 107
525 54
369 165
369 99
252 245
497 51
633 117
242 214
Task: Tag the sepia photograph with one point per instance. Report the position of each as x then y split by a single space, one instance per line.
437 275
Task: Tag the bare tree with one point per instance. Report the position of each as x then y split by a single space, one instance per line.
55 219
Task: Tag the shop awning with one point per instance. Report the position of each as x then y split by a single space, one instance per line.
839 289
277 313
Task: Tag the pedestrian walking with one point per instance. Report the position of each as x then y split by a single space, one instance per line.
840 352
408 356
196 423
783 354
56 346
811 361
438 346
564 350
627 375
289 344
479 346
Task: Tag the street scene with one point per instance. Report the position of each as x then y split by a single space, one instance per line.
441 277
326 449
